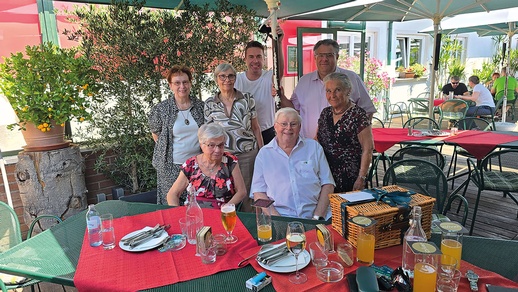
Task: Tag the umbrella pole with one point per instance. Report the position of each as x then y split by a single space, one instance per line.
432 79
273 7
504 102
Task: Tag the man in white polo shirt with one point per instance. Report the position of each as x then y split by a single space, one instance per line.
309 97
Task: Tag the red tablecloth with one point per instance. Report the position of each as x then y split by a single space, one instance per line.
118 270
384 138
388 256
480 143
438 101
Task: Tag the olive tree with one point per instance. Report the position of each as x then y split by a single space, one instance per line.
133 47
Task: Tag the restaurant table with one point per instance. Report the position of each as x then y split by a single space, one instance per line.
53 255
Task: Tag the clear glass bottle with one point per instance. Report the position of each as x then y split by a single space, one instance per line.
93 224
414 233
193 216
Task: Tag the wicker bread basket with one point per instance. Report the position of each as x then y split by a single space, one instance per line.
385 215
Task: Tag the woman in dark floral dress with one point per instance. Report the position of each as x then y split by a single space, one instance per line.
214 174
345 133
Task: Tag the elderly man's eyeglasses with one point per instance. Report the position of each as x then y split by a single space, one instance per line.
325 55
285 125
178 83
230 77
213 146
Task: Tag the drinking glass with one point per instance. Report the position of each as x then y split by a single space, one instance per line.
366 243
318 254
264 224
426 264
451 244
228 218
107 232
296 243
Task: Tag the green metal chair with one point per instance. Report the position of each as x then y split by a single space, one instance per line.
452 110
418 107
11 235
376 157
429 154
501 178
422 123
428 179
394 110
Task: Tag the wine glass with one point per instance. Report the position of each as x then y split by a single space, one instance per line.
296 243
228 218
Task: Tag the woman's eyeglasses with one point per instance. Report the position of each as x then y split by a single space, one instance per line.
213 146
230 77
184 83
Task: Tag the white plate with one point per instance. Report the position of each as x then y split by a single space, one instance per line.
287 265
152 243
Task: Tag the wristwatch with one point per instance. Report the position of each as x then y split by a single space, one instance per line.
316 217
473 279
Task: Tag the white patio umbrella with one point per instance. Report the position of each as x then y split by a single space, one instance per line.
497 22
404 10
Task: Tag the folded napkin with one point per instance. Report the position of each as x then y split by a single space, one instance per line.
289 261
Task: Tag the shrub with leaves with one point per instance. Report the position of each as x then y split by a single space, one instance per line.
133 47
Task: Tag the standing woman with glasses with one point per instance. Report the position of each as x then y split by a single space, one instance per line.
235 112
214 174
345 133
174 123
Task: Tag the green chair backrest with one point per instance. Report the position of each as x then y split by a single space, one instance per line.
10 233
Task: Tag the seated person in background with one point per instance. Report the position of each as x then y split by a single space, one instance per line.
293 171
456 86
214 172
499 86
481 96
491 82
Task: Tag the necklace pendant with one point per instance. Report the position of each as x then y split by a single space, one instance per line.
186 121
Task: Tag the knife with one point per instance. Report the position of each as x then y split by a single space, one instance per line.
275 255
149 236
279 257
139 234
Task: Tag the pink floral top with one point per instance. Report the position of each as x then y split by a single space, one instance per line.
215 190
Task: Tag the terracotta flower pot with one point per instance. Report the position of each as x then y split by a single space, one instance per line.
409 74
43 141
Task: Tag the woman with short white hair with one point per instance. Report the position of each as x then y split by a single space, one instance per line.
214 174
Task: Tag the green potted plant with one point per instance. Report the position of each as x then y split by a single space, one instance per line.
47 86
418 70
401 70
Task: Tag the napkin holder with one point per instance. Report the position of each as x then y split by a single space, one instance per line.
203 238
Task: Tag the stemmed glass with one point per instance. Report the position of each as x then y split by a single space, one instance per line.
228 218
296 243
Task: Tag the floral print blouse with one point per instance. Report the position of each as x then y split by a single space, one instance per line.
341 145
216 190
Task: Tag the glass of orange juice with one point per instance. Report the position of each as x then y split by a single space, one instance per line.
427 257
263 216
451 240
366 239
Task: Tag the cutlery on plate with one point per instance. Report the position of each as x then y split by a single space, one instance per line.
263 249
150 236
271 250
140 234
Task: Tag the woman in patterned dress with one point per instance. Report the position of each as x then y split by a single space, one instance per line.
345 133
214 174
174 123
235 112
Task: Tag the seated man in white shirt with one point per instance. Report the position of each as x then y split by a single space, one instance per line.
293 171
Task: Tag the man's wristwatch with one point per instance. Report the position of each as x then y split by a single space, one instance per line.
316 217
473 279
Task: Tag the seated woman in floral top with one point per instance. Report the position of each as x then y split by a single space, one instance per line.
215 174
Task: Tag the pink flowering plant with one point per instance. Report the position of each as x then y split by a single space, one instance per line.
376 80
